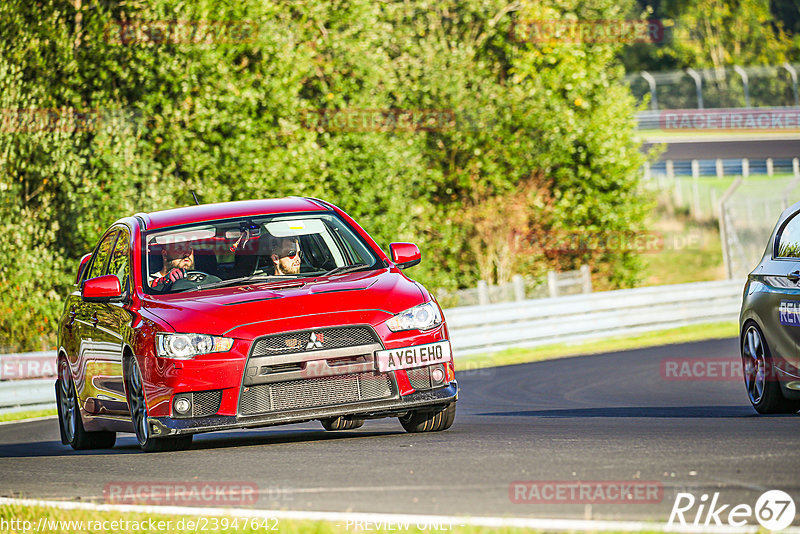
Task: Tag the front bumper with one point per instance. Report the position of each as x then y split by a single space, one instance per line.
168 426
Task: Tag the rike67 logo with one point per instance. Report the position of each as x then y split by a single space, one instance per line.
774 510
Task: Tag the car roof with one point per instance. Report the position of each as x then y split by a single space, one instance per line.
224 210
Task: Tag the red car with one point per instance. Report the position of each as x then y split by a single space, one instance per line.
247 314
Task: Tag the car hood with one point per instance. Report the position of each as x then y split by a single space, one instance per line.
249 311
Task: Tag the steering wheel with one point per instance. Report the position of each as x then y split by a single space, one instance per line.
196 276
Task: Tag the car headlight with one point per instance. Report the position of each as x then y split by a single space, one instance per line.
186 346
420 317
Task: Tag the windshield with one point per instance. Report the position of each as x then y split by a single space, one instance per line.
276 248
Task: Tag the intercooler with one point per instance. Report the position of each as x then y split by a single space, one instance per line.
311 369
314 392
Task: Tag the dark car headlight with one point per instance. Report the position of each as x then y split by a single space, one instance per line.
422 317
186 346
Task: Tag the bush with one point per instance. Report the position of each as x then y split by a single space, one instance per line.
528 139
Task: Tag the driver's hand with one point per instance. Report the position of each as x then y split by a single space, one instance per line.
174 275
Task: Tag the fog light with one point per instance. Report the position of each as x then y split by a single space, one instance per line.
437 374
182 405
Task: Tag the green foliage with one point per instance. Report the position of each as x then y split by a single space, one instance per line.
540 141
714 34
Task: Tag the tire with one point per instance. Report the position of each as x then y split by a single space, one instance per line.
138 409
760 376
69 416
340 423
435 421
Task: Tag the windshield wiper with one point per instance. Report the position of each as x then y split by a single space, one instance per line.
345 269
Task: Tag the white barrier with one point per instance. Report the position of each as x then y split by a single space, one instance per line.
475 329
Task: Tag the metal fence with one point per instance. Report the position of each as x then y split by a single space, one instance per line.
699 185
732 87
749 210
520 288
493 327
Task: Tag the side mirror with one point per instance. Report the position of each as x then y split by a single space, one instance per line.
405 255
82 266
102 289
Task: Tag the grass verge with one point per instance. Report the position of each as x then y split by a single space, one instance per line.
683 334
26 414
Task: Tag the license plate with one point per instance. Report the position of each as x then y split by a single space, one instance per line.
416 356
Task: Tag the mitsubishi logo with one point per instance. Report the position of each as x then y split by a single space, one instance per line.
315 341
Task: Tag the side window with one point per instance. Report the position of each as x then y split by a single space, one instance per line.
119 264
97 268
789 239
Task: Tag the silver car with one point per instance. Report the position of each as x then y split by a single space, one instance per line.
769 323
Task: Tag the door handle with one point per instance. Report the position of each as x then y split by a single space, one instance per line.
794 276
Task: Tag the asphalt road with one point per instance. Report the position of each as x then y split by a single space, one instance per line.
730 149
610 417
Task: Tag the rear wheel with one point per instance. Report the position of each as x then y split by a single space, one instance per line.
760 376
340 423
138 407
69 416
432 421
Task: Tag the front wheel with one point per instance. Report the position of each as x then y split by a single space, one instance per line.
138 408
69 416
434 421
760 376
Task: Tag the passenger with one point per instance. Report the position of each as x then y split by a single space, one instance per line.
285 255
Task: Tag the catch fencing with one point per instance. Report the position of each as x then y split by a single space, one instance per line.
699 185
730 87
493 327
749 211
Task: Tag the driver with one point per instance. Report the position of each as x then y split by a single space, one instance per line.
177 259
285 255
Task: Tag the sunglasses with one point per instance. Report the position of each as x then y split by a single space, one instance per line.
179 254
291 254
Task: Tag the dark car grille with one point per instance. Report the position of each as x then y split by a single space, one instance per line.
419 377
315 392
206 402
332 338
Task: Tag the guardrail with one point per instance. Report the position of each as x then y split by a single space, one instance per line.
16 395
493 327
480 329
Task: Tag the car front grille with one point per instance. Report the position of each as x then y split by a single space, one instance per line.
420 377
327 338
207 402
314 392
